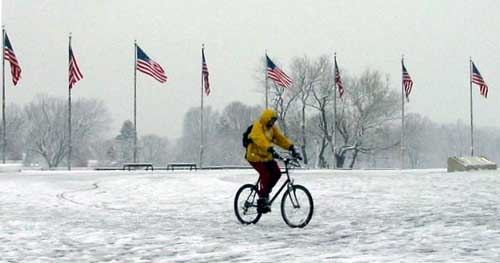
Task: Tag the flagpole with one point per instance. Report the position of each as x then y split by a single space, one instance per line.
402 119
334 141
69 109
266 81
135 101
4 129
471 111
201 109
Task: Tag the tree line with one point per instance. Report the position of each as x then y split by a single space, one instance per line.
367 125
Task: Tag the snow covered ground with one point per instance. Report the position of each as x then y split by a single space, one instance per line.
360 216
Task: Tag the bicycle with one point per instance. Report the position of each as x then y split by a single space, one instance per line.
296 204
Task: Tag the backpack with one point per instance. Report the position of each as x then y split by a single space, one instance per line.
246 140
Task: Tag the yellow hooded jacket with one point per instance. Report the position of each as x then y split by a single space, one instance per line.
264 138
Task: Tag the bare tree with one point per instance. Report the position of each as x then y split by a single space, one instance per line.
417 134
233 121
15 123
240 116
47 133
368 105
155 149
322 80
188 145
90 123
320 145
223 134
282 101
303 77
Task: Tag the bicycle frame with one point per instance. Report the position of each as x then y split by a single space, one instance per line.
288 182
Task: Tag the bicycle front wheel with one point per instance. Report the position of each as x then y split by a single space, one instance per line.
245 204
297 206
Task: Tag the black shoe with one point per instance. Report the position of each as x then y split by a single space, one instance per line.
263 206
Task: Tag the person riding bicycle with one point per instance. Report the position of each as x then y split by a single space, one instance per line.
261 154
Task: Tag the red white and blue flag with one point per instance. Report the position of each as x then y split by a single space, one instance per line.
75 74
338 80
407 82
8 54
149 66
204 72
276 74
476 78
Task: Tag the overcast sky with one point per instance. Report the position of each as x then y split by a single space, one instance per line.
437 38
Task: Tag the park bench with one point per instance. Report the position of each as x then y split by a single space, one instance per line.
128 166
172 166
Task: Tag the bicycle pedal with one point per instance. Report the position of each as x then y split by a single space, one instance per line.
264 210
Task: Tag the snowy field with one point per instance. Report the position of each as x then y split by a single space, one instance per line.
360 216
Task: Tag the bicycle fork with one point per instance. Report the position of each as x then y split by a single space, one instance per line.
293 195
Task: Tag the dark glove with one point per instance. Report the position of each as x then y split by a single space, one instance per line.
274 153
294 153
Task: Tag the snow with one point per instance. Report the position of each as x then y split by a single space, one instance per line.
10 167
181 216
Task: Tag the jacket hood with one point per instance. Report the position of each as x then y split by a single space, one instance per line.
267 115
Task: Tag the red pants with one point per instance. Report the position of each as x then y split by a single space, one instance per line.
269 173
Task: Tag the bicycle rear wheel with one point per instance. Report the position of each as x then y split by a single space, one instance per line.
245 204
297 206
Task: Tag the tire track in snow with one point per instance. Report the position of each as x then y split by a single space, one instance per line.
63 196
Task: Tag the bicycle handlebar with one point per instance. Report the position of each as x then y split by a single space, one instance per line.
290 160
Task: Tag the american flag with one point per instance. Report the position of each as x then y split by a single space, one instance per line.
338 80
407 82
204 72
277 74
149 66
478 79
8 54
75 74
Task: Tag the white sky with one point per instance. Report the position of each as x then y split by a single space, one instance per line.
437 38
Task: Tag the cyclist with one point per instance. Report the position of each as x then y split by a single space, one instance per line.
261 154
